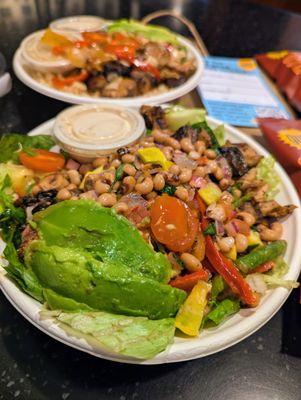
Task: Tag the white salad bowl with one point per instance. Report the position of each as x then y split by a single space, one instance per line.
169 95
213 340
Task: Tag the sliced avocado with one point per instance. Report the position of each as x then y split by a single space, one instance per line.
107 286
177 116
86 225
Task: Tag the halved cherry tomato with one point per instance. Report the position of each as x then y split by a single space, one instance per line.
173 224
42 160
61 82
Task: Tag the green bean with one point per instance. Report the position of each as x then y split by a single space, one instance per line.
261 255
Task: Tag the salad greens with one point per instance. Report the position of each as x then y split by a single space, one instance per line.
266 172
151 32
136 337
11 143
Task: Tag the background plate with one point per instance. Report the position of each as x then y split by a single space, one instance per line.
170 95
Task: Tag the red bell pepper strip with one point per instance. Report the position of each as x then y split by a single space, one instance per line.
265 267
143 66
187 282
226 268
61 82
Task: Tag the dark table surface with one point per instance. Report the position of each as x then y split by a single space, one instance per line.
34 366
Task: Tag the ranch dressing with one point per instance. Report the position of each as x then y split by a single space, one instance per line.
73 26
97 129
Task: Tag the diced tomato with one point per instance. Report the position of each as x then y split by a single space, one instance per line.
42 160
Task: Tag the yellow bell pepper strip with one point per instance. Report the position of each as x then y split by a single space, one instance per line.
95 171
190 314
210 193
232 253
53 39
254 239
155 156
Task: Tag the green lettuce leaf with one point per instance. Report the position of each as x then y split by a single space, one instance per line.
266 172
274 277
136 337
11 143
152 32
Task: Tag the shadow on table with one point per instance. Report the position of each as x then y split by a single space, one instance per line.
291 328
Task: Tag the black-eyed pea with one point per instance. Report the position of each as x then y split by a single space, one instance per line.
169 141
219 174
152 195
107 199
129 183
145 187
225 244
186 145
128 158
182 193
71 186
224 183
194 155
63 194
185 175
99 162
211 154
101 187
84 168
74 176
200 171
90 195
129 169
190 261
115 163
174 169
241 242
159 182
200 146
121 207
168 152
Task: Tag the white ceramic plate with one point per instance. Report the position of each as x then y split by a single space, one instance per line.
212 340
171 94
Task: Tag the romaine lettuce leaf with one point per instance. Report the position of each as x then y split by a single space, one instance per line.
266 172
136 337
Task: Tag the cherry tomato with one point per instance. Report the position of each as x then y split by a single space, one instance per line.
173 224
42 160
